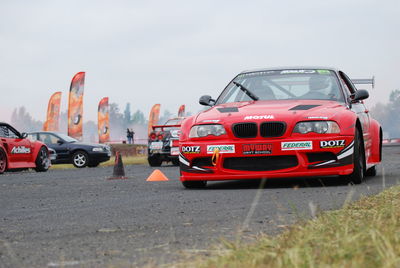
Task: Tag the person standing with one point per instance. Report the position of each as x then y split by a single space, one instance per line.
129 136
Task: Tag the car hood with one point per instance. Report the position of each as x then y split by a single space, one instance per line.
282 110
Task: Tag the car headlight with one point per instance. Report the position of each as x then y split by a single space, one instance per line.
320 127
97 149
206 130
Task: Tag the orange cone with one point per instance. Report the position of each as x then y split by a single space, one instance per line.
157 175
119 171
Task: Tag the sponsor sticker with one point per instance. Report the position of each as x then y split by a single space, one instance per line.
157 145
297 145
210 121
190 149
223 149
257 117
323 71
21 150
175 151
257 148
317 117
332 144
297 71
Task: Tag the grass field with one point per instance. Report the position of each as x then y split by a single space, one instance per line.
363 234
127 160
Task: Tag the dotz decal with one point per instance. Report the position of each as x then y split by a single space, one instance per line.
257 148
257 117
191 149
297 145
21 150
223 149
332 144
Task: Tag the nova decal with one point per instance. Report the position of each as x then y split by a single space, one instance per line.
191 149
297 145
332 144
222 149
255 117
21 150
257 148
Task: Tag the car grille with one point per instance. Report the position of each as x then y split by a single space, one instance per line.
272 129
202 162
245 130
261 163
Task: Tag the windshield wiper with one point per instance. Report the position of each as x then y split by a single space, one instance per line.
246 90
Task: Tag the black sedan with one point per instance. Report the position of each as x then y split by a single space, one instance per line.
71 151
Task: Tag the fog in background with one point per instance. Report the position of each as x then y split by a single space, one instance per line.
172 52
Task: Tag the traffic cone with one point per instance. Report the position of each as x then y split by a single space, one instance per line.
157 175
119 172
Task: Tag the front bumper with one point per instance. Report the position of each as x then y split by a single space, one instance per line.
262 158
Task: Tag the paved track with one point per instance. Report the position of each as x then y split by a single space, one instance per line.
78 218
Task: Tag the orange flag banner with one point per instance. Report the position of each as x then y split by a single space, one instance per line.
154 116
103 125
75 106
53 113
181 111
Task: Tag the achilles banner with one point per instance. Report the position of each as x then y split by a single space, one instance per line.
75 106
181 112
103 124
53 113
154 116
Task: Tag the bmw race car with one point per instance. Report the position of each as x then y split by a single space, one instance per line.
18 152
163 143
283 122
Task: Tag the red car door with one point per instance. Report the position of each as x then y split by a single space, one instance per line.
18 149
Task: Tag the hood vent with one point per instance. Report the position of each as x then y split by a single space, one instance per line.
303 107
228 110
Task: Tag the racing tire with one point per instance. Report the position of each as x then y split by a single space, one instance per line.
194 184
357 176
154 161
371 172
3 161
80 159
175 161
42 160
96 164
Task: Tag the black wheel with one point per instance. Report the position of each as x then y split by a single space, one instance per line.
359 160
175 161
371 172
154 161
96 164
80 159
3 161
194 184
42 160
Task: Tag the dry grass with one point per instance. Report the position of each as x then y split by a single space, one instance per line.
127 160
363 234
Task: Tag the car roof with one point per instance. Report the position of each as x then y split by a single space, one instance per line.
290 68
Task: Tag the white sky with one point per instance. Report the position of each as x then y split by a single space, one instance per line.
172 52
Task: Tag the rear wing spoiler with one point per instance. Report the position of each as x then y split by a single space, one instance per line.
364 81
164 126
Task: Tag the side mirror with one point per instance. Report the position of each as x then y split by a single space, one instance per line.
206 100
360 94
60 142
24 135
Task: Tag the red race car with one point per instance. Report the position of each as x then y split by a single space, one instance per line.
18 152
283 122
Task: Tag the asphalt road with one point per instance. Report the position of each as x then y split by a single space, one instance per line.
78 218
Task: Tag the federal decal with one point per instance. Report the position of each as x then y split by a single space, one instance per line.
297 145
223 149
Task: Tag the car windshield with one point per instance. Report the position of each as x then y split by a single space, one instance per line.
290 84
66 138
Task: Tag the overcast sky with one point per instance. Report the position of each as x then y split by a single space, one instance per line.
172 52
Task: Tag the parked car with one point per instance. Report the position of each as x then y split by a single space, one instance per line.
163 143
281 122
18 152
71 151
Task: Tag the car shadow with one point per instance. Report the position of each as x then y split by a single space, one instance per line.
279 183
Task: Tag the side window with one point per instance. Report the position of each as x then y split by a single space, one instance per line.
6 132
48 138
